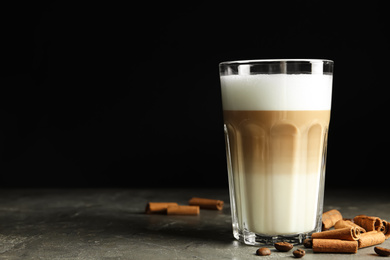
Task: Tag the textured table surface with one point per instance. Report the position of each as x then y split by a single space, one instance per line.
111 224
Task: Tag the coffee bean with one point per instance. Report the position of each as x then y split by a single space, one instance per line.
299 253
283 246
308 243
382 251
263 251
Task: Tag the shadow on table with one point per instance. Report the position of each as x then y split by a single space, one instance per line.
210 225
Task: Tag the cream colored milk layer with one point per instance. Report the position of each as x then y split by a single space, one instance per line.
276 92
276 135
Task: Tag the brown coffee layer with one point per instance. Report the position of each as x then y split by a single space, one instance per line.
281 141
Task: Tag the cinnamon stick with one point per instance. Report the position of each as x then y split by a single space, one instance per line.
368 223
343 223
334 246
330 218
351 234
206 203
158 207
183 210
371 238
386 229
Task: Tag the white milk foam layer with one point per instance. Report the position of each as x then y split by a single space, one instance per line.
276 92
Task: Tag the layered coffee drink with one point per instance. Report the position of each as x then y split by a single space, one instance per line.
276 129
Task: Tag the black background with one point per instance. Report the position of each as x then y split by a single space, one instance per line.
127 95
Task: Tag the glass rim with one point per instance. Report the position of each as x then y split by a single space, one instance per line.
263 61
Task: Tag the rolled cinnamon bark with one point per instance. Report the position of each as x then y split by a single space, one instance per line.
334 246
183 210
351 234
383 226
206 203
330 218
342 223
386 229
368 223
158 207
371 238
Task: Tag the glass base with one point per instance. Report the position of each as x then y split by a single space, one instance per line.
253 239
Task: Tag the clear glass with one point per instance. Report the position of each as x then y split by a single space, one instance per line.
276 120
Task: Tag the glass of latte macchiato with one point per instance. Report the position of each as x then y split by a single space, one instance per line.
276 119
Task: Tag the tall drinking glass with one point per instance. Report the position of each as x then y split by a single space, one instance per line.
276 119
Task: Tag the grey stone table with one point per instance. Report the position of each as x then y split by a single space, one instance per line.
111 224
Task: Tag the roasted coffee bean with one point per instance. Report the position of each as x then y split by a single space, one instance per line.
308 243
283 246
263 251
382 251
299 253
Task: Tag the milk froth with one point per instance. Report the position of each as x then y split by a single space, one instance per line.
276 130
276 92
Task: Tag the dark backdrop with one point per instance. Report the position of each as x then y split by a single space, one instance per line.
114 95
